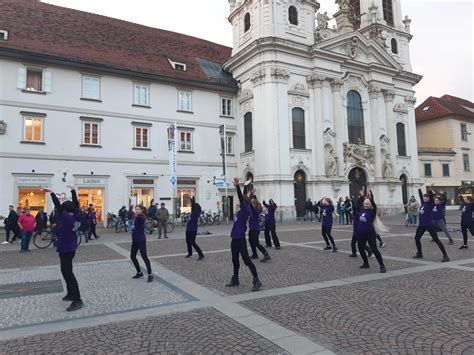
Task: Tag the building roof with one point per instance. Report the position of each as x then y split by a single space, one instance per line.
446 105
42 29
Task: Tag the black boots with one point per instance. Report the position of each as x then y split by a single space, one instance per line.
256 284
234 281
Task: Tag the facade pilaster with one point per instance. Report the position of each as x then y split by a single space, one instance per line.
374 94
411 135
391 131
315 83
336 85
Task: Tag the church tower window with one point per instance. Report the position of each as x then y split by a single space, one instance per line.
401 142
355 9
247 22
387 8
299 141
355 118
394 46
293 15
248 144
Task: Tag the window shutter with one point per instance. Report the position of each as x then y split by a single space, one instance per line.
47 80
21 78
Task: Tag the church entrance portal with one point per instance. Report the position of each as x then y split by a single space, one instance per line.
300 193
357 180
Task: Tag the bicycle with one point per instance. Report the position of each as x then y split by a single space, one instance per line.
42 239
111 220
217 217
119 225
152 224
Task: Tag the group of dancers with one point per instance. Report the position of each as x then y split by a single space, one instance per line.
366 230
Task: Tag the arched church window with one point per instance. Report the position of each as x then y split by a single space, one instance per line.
299 141
394 45
402 148
247 22
293 15
248 144
387 8
355 12
355 118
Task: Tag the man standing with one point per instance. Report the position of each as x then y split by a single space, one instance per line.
27 225
41 220
162 216
11 225
309 209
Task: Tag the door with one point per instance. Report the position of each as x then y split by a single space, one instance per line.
403 180
300 193
357 181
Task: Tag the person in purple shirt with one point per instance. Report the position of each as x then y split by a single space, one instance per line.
357 206
270 224
238 245
67 222
365 232
192 228
92 215
326 226
254 231
438 214
467 219
426 223
139 243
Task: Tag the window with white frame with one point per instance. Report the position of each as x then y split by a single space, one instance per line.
141 137
141 94
229 144
466 163
185 101
91 87
90 133
186 141
34 79
226 106
32 129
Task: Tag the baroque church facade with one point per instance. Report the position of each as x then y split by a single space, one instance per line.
323 111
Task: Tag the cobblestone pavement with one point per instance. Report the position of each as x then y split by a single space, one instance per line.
416 314
205 331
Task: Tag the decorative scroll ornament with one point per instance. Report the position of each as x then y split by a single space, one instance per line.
3 127
299 90
280 74
315 80
257 77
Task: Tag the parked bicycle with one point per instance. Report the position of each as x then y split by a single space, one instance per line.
151 225
45 237
111 220
185 218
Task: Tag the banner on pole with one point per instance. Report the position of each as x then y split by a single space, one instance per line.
223 150
172 154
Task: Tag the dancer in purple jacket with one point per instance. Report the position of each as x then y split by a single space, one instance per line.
139 243
467 220
327 220
191 230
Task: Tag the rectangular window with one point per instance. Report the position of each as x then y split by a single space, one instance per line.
141 94
446 170
90 133
229 145
34 79
464 132
90 87
141 137
226 106
427 170
185 141
185 101
465 160
33 129
387 8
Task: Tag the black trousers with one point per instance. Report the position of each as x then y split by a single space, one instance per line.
14 229
354 243
255 243
191 243
432 231
348 217
326 231
92 231
239 247
270 228
66 269
464 228
133 256
370 238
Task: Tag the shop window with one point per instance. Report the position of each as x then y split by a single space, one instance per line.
184 198
33 198
293 15
32 129
90 133
142 196
94 197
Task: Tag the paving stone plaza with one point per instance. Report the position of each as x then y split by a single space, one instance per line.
312 301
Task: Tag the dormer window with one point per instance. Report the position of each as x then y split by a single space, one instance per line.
177 65
293 15
3 35
247 22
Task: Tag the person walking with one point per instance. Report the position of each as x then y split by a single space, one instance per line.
341 210
68 215
162 215
238 244
439 219
467 219
139 244
11 225
41 220
270 224
365 232
27 224
327 221
92 216
412 207
192 228
254 231
426 223
309 210
348 210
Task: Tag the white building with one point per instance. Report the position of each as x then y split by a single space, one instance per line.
323 110
88 99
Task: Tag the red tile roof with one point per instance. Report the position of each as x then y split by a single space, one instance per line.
446 105
43 29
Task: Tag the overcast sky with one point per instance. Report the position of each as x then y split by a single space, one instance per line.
441 50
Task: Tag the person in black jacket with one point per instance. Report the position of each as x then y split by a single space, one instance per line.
11 225
41 220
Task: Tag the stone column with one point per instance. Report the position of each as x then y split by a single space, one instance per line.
391 131
315 82
410 136
328 120
338 119
374 93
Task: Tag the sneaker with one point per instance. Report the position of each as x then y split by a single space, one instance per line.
417 256
278 248
353 256
463 247
138 275
265 258
328 247
382 245
451 242
67 298
150 278
201 257
334 249
75 305
364 266
383 270
188 256
445 259
255 256
5 243
256 285
234 281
